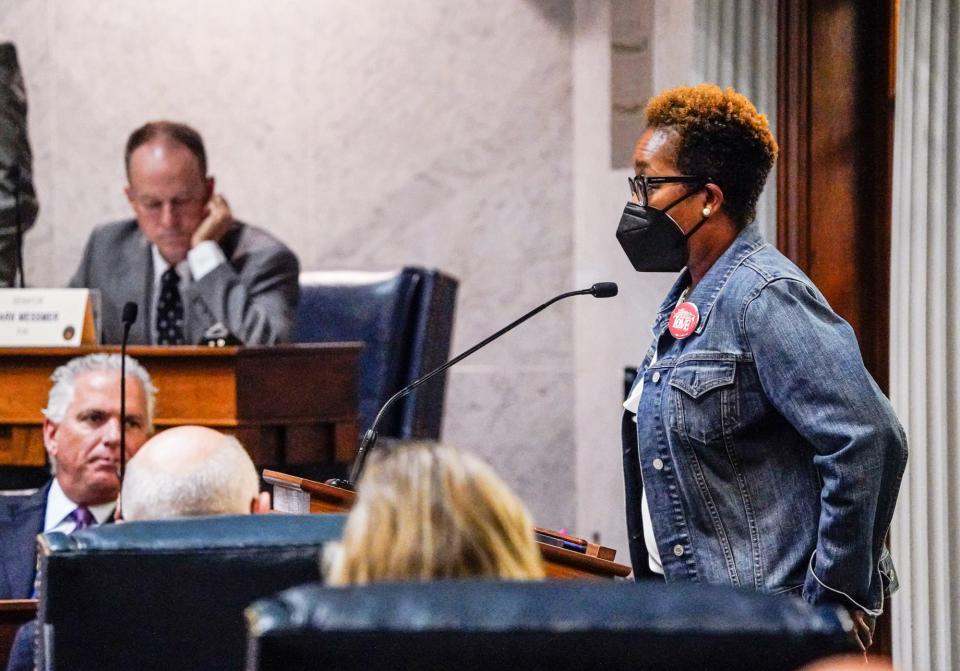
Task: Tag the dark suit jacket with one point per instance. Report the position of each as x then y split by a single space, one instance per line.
21 519
254 294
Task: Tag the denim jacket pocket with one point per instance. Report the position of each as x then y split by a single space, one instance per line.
707 402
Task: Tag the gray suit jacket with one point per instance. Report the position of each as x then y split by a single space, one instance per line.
254 294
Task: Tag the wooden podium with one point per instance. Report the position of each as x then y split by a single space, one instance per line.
288 404
301 496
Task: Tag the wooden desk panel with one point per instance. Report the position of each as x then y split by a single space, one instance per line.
13 614
260 394
292 494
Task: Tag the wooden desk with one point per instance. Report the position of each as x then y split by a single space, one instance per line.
301 496
13 614
290 404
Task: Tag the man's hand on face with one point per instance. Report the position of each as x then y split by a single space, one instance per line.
215 224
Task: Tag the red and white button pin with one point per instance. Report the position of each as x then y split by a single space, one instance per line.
684 320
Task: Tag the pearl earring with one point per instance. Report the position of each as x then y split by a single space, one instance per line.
706 211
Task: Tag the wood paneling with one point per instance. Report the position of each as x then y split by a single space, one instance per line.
835 114
292 404
13 614
295 495
836 75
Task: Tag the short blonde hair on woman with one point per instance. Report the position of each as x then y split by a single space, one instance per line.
427 512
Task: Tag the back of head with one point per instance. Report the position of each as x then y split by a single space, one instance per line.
188 471
720 136
426 512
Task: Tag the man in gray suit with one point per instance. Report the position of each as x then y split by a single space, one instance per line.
192 269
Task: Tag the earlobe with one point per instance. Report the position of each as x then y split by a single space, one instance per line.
50 437
714 199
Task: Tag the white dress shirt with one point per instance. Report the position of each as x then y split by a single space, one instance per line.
59 508
631 405
200 260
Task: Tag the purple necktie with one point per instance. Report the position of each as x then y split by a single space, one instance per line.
83 518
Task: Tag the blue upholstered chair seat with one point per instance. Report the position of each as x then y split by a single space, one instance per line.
548 625
169 594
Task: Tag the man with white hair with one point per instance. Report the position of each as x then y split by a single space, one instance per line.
81 432
189 471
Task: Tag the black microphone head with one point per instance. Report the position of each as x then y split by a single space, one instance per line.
129 313
604 290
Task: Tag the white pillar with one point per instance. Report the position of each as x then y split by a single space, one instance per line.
924 335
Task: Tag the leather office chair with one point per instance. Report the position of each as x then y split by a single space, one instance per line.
548 625
405 320
168 594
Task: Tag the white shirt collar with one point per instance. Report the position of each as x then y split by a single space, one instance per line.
59 507
160 266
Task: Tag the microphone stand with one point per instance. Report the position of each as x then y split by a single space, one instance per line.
599 290
129 316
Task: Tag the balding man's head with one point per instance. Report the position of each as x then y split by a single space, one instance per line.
188 471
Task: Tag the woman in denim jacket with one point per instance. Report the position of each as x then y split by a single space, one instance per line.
758 451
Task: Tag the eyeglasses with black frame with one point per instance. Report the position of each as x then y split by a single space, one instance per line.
641 183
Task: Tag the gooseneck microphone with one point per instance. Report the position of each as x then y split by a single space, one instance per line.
128 316
598 290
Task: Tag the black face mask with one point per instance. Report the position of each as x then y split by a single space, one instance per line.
652 240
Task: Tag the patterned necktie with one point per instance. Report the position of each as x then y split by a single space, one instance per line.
83 518
170 310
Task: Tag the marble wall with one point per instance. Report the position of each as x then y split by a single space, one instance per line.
474 137
365 134
609 335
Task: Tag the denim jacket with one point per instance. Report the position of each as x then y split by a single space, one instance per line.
772 459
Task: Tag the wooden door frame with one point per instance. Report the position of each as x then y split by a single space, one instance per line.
836 83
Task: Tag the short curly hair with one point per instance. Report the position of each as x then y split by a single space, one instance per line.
722 136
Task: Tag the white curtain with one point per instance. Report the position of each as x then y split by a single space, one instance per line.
737 46
924 333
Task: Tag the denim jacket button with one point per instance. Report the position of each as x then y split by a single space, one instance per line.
678 550
655 377
658 464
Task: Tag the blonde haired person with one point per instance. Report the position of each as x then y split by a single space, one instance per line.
427 512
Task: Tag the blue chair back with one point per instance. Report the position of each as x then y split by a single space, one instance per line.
405 320
555 626
168 594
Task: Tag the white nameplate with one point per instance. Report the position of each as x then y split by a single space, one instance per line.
46 318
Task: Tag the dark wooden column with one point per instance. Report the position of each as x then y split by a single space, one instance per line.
836 83
835 117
